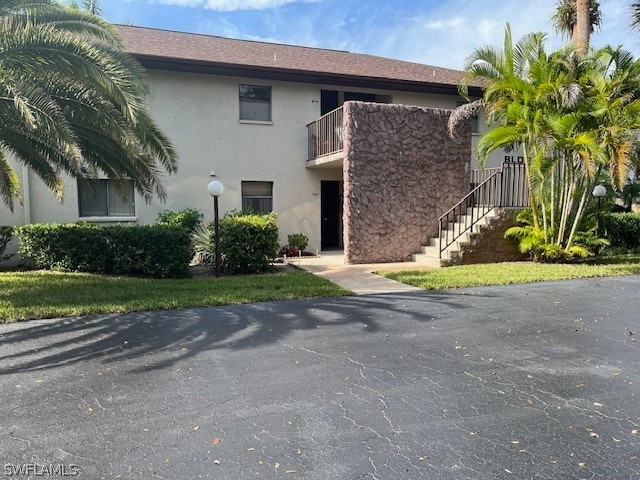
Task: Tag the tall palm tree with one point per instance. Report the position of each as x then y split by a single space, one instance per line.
93 6
71 101
583 27
578 19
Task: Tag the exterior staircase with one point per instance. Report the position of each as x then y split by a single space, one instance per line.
431 256
491 190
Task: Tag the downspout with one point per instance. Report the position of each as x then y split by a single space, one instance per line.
26 195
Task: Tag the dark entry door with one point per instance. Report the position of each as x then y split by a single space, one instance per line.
328 101
331 214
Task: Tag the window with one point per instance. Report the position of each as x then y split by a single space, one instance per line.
255 103
106 198
257 196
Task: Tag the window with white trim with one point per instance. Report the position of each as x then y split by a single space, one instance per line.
106 198
257 196
255 103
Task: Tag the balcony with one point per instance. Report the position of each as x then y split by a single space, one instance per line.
325 140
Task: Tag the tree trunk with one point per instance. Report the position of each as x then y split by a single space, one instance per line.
582 30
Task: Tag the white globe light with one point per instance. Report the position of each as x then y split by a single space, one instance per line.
215 188
599 191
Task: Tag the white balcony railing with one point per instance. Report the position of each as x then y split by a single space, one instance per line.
325 135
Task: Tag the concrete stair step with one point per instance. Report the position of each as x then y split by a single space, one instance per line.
430 255
426 260
433 250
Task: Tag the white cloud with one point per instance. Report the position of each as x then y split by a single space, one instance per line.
443 24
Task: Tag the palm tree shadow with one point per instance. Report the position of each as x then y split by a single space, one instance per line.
162 338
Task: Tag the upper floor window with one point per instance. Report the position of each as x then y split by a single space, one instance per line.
106 198
257 196
255 103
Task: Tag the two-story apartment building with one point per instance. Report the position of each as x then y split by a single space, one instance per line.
270 122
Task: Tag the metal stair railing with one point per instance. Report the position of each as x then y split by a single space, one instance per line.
504 187
465 214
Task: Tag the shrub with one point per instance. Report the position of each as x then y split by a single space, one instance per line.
289 251
6 233
158 251
188 218
203 244
622 229
532 240
67 247
248 242
298 240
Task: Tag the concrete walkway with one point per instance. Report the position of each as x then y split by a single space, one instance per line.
360 279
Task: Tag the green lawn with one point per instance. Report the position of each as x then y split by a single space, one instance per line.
43 294
517 272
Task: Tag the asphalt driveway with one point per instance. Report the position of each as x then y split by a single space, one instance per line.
534 381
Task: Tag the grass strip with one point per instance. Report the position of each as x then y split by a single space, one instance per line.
45 294
515 272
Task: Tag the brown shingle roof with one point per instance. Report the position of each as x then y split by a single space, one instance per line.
155 48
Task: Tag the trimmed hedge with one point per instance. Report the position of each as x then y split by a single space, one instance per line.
159 251
248 242
622 229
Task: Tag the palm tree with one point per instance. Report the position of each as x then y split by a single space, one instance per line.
573 117
613 86
73 102
578 19
93 6
506 98
583 27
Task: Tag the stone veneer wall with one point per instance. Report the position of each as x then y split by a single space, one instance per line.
402 171
489 245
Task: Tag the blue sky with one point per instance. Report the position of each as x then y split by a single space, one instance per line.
435 32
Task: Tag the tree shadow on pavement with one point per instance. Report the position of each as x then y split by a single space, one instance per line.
166 337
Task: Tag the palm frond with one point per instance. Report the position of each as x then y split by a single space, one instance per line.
463 113
72 101
9 183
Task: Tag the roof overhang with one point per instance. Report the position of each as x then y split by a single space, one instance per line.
301 76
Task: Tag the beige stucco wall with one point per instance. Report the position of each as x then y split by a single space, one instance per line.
200 114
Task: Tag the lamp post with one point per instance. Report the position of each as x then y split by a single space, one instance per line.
598 191
215 189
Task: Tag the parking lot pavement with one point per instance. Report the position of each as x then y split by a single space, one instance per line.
533 381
